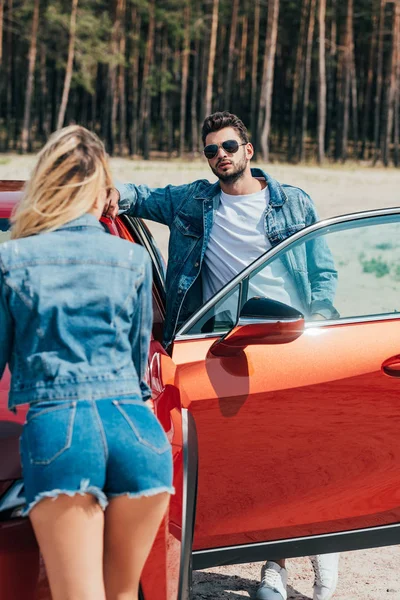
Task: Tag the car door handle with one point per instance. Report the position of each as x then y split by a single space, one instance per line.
391 366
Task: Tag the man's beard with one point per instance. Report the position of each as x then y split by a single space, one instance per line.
235 175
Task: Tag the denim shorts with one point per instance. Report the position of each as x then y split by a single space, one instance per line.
107 448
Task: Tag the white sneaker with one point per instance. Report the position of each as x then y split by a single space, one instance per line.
273 582
326 569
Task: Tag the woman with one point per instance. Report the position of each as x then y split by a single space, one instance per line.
75 323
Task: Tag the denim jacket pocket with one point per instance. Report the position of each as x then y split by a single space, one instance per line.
144 424
186 226
48 430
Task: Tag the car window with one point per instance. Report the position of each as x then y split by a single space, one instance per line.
221 317
347 270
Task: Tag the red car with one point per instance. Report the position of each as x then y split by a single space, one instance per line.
284 431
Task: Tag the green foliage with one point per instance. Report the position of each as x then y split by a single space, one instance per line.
385 246
161 81
92 46
375 266
396 272
170 14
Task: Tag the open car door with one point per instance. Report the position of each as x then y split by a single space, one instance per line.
297 420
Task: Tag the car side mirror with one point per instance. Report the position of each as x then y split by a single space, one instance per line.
261 321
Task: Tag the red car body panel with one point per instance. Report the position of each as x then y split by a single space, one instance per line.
19 561
264 420
160 578
5 414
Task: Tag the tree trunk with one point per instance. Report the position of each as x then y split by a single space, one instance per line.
368 91
397 99
44 120
379 75
298 78
307 78
321 82
354 101
348 63
332 55
93 99
254 73
231 55
164 125
136 22
31 76
121 80
391 90
396 125
54 92
2 74
243 99
219 83
70 62
270 51
9 75
113 75
195 87
1 30
211 59
144 111
204 60
81 106
104 102
243 52
340 74
280 92
185 75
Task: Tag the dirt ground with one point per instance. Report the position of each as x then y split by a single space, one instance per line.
364 575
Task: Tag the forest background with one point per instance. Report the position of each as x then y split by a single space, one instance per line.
312 79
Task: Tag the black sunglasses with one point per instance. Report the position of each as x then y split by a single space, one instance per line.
230 146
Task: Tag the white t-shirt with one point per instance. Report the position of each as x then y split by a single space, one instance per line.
237 238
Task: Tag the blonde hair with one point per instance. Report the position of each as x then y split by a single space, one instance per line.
70 174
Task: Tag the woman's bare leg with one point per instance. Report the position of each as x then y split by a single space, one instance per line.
70 532
131 525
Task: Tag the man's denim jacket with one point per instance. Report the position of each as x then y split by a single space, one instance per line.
75 314
189 212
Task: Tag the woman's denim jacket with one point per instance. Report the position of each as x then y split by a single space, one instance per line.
189 211
75 314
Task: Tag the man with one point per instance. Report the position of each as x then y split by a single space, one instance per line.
216 230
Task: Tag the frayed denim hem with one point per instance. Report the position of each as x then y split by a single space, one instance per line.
145 493
85 488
